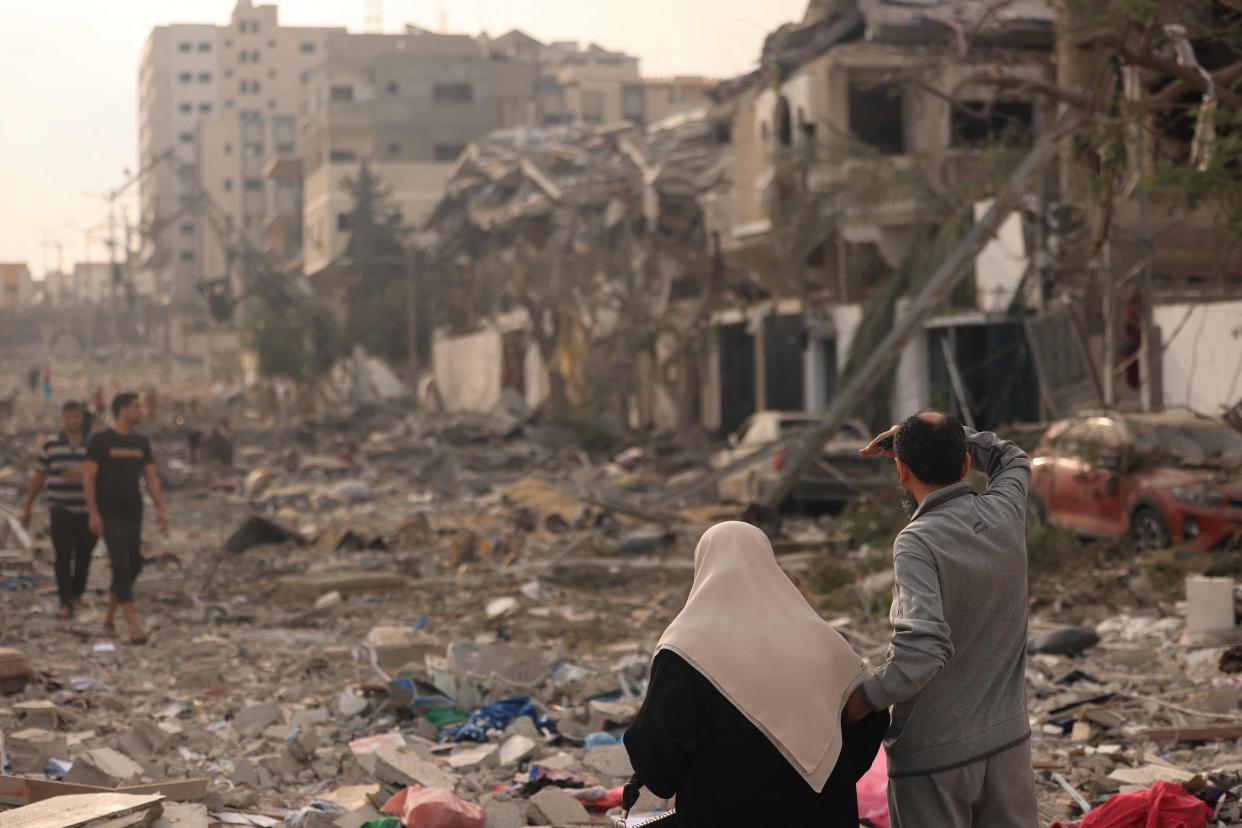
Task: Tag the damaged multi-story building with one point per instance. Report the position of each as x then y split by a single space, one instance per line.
845 169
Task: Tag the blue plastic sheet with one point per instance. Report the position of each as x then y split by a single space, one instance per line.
496 716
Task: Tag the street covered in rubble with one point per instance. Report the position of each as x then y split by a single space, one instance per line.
475 430
400 574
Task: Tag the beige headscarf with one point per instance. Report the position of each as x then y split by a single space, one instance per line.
748 630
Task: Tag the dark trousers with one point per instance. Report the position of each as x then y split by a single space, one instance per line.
124 541
74 543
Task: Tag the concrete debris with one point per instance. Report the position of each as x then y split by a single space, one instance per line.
105 768
316 680
553 806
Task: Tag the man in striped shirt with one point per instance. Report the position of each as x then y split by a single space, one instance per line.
60 467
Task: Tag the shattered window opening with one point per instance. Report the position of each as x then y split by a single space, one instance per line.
784 123
877 116
1005 123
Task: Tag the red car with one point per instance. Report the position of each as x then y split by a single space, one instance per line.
1160 479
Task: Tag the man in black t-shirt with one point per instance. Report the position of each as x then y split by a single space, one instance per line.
116 460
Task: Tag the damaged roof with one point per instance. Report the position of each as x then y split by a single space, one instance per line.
957 23
599 172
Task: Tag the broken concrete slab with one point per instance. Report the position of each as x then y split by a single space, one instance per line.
471 759
40 713
257 718
399 766
29 749
105 768
397 646
552 806
515 750
610 761
505 812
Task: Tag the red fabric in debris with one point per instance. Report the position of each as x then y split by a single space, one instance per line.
418 807
1163 805
610 800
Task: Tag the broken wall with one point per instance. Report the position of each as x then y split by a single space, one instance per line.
1203 355
469 371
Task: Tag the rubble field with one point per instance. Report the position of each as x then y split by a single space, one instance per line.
417 616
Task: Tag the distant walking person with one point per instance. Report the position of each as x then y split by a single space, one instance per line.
47 384
116 460
32 379
61 468
100 402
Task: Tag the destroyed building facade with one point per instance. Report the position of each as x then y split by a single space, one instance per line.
842 166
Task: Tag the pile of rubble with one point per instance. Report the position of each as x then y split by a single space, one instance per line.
388 616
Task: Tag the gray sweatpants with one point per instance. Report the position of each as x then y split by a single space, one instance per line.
997 792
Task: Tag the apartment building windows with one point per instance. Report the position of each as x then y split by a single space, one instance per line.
204 108
187 255
392 87
447 152
185 108
341 94
307 48
394 150
342 156
342 222
228 185
185 46
284 134
185 77
186 137
593 106
187 229
204 46
254 185
634 102
204 77
443 93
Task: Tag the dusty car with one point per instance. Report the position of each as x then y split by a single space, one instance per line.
837 475
1160 479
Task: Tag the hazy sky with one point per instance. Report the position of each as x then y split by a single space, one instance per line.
68 100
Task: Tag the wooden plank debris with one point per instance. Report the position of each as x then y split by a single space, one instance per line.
17 790
1194 733
79 809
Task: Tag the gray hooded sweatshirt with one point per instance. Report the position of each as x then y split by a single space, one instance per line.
955 675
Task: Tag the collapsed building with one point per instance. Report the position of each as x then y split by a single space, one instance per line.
755 266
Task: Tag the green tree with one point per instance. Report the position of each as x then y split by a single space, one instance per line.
376 290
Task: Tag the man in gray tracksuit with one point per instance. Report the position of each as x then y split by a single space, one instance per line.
959 745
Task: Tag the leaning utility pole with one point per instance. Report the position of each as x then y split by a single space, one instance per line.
909 324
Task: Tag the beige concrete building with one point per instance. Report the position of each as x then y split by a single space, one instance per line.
16 286
595 85
219 99
407 104
178 88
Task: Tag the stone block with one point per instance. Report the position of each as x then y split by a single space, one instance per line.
105 768
552 806
471 759
30 749
398 766
516 749
503 812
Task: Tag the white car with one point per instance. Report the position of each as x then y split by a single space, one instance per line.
837 476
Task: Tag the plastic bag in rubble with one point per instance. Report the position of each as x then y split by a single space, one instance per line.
433 808
1163 805
873 792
